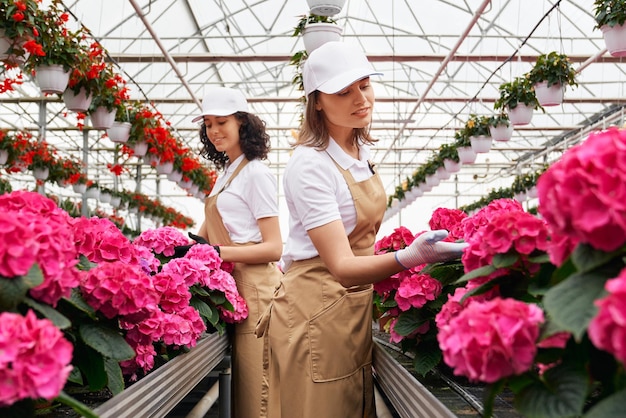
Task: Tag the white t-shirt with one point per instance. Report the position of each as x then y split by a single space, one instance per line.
250 196
317 194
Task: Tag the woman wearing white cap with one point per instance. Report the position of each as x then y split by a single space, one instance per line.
318 325
241 218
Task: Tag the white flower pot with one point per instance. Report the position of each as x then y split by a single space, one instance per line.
466 155
41 173
165 168
175 176
79 188
102 118
549 96
52 78
501 133
325 7
432 180
520 114
481 144
532 192
119 132
140 148
92 193
615 39
105 197
520 197
6 44
76 102
4 156
185 184
316 34
425 187
193 189
115 201
442 173
452 166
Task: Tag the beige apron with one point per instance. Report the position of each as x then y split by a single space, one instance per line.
319 333
256 284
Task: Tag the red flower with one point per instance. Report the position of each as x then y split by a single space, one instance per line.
18 16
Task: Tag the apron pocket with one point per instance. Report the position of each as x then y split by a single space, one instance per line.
340 337
251 296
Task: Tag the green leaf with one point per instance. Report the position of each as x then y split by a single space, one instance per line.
91 365
587 258
77 301
505 260
12 293
561 393
114 376
34 277
474 274
106 341
489 396
612 406
218 298
58 319
84 263
76 377
427 357
570 304
408 322
206 311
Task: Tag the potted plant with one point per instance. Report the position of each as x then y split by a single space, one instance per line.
463 147
85 78
316 30
477 128
518 98
17 25
125 114
550 75
59 49
500 127
325 7
449 157
610 16
111 91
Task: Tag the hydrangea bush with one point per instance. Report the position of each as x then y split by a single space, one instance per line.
538 303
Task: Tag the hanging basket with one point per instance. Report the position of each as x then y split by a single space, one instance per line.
316 34
6 44
52 79
520 114
76 102
165 168
140 148
325 7
466 155
102 118
92 193
41 173
119 132
451 165
4 156
442 173
501 133
175 176
79 188
549 96
615 39
105 197
481 144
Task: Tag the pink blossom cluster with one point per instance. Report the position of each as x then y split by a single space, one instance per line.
173 291
206 254
398 239
34 358
607 330
119 289
506 231
33 229
481 218
583 195
416 290
450 220
458 301
490 340
161 240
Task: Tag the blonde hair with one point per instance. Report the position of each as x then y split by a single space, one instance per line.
313 130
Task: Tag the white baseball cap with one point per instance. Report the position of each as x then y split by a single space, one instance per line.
334 66
222 101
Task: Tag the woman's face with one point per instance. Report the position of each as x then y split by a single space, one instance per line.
349 108
223 132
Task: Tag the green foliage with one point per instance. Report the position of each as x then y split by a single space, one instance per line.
554 68
477 126
609 12
448 152
499 119
308 20
520 90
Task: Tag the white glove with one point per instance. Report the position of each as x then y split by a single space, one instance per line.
427 249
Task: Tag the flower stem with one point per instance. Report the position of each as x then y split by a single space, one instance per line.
76 405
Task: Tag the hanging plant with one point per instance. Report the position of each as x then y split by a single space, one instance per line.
609 12
448 152
520 90
553 68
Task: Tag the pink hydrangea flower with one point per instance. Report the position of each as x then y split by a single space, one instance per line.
387 286
45 237
240 309
183 328
161 240
119 289
206 254
454 305
174 292
193 271
34 358
481 218
450 220
583 195
100 240
416 290
398 239
506 231
144 360
607 330
560 246
490 340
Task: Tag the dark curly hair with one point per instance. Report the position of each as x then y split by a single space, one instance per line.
254 140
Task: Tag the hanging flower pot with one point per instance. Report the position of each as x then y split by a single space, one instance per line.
41 173
52 78
532 192
451 166
193 189
76 102
325 7
480 144
115 201
92 193
442 173
165 168
520 114
175 176
140 148
549 96
615 39
317 34
466 155
102 118
4 156
520 197
119 132
79 188
105 197
501 133
432 180
185 184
